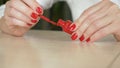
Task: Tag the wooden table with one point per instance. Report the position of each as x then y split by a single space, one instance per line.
54 49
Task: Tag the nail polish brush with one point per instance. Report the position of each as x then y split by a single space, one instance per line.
63 24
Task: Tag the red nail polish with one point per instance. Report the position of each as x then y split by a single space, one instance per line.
72 27
74 36
33 21
34 15
39 10
88 40
60 23
82 38
29 24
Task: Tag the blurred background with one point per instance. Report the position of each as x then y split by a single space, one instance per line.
59 10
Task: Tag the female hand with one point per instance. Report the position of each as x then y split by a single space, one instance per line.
97 22
20 16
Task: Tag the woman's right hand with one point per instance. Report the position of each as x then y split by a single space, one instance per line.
20 16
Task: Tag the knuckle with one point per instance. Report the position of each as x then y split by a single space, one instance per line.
97 24
11 11
20 15
5 18
91 30
79 31
12 20
86 12
7 3
92 18
13 3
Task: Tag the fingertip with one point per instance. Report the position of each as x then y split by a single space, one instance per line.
72 27
74 36
39 10
88 40
34 21
29 24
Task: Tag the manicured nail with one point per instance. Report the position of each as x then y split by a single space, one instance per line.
33 21
82 38
74 36
39 10
72 27
34 15
88 40
29 24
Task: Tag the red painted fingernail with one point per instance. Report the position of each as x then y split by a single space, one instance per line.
29 24
82 38
88 40
34 15
33 21
74 36
39 10
72 27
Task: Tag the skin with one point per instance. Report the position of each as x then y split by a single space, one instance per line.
17 15
99 21
95 23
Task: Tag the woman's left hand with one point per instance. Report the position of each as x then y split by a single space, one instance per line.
97 22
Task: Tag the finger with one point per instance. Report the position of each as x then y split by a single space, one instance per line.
15 27
20 16
23 8
105 21
115 8
97 25
34 5
110 29
87 13
7 8
92 18
12 29
14 21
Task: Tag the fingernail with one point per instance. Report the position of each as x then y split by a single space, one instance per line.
82 38
72 27
29 24
88 40
33 21
74 36
39 10
34 15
